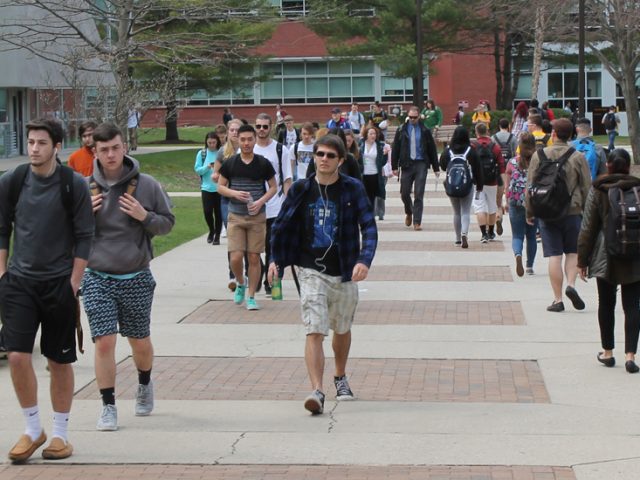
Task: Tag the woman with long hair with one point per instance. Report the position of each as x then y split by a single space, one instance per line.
516 187
374 156
519 119
460 147
205 160
353 147
610 271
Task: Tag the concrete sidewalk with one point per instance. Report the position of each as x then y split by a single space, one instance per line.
459 369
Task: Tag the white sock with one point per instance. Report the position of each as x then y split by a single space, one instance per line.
60 425
32 418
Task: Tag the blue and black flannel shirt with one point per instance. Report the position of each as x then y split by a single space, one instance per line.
356 215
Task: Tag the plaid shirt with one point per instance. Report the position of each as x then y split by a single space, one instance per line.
356 215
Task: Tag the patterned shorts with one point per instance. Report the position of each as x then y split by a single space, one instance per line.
327 302
110 303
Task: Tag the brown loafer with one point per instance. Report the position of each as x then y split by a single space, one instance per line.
417 227
57 449
25 447
407 219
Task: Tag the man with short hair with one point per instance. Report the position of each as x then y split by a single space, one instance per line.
323 223
413 151
82 159
493 167
337 121
560 237
356 119
289 135
508 144
380 118
130 208
610 121
48 208
242 180
301 154
133 122
534 127
278 155
594 153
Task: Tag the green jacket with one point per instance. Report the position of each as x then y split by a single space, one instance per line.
592 251
431 118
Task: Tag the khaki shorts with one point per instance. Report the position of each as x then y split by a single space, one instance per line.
246 233
327 302
486 203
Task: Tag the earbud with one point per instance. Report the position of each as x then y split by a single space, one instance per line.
55 151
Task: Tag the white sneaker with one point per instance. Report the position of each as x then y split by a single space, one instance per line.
144 400
223 234
108 421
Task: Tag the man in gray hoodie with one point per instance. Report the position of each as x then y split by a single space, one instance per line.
130 208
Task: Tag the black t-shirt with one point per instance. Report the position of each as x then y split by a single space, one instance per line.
245 177
321 220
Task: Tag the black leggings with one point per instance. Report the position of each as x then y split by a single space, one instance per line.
212 212
606 316
371 186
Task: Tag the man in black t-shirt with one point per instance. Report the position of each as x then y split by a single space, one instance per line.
242 180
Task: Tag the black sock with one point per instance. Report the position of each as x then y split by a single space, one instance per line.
483 229
490 229
108 396
144 377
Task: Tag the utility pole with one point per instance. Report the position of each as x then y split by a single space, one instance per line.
581 78
418 94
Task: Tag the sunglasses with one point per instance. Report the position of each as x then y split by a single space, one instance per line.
263 127
412 118
329 155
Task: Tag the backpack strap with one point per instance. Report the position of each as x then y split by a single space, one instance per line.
15 186
131 185
66 189
280 175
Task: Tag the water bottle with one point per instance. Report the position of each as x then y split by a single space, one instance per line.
276 289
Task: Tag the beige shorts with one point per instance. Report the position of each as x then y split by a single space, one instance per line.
246 233
486 203
326 302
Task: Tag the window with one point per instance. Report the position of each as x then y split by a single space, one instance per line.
399 89
563 87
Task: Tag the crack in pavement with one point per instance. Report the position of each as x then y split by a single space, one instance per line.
332 419
234 447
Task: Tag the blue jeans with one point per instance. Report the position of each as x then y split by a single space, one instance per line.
612 139
521 229
224 208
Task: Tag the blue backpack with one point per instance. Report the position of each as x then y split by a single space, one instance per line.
588 149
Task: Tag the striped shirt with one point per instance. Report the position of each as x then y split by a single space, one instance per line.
247 177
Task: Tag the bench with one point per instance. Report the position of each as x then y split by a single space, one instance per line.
444 133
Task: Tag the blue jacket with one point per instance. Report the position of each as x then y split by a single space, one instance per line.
201 167
356 216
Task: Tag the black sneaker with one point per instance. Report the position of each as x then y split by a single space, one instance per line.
267 289
484 239
492 236
465 243
499 228
572 295
210 238
343 392
315 402
216 240
556 307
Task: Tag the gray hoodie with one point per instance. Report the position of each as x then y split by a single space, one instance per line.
122 244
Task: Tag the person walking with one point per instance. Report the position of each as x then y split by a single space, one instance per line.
459 148
130 208
431 116
211 204
47 207
82 159
327 230
133 123
414 150
242 179
594 260
374 157
610 121
519 120
559 232
516 189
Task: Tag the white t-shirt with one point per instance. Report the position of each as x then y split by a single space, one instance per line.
132 119
271 154
303 159
356 120
369 157
291 137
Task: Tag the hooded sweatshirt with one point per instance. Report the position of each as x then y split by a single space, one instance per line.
122 244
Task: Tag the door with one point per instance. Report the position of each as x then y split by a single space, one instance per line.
18 121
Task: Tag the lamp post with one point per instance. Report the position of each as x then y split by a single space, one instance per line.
419 91
581 77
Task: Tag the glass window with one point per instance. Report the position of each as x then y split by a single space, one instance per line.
272 69
340 87
343 68
571 84
392 86
363 86
317 68
272 89
594 84
293 68
3 105
524 87
554 86
362 67
294 87
317 87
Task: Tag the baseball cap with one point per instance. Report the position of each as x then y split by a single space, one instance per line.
336 110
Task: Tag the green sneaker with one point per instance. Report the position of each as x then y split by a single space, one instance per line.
238 295
252 304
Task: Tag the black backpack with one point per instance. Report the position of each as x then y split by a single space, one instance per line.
542 141
487 162
549 196
505 148
459 179
610 121
622 231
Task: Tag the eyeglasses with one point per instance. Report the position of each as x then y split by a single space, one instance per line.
329 155
263 127
412 117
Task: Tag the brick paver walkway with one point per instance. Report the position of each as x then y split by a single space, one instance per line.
434 273
369 313
281 472
388 379
422 246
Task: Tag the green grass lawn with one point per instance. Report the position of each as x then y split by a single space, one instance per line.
193 135
174 169
189 225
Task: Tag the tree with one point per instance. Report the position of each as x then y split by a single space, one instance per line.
615 41
152 47
390 36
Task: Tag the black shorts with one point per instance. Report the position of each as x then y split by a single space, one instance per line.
26 304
